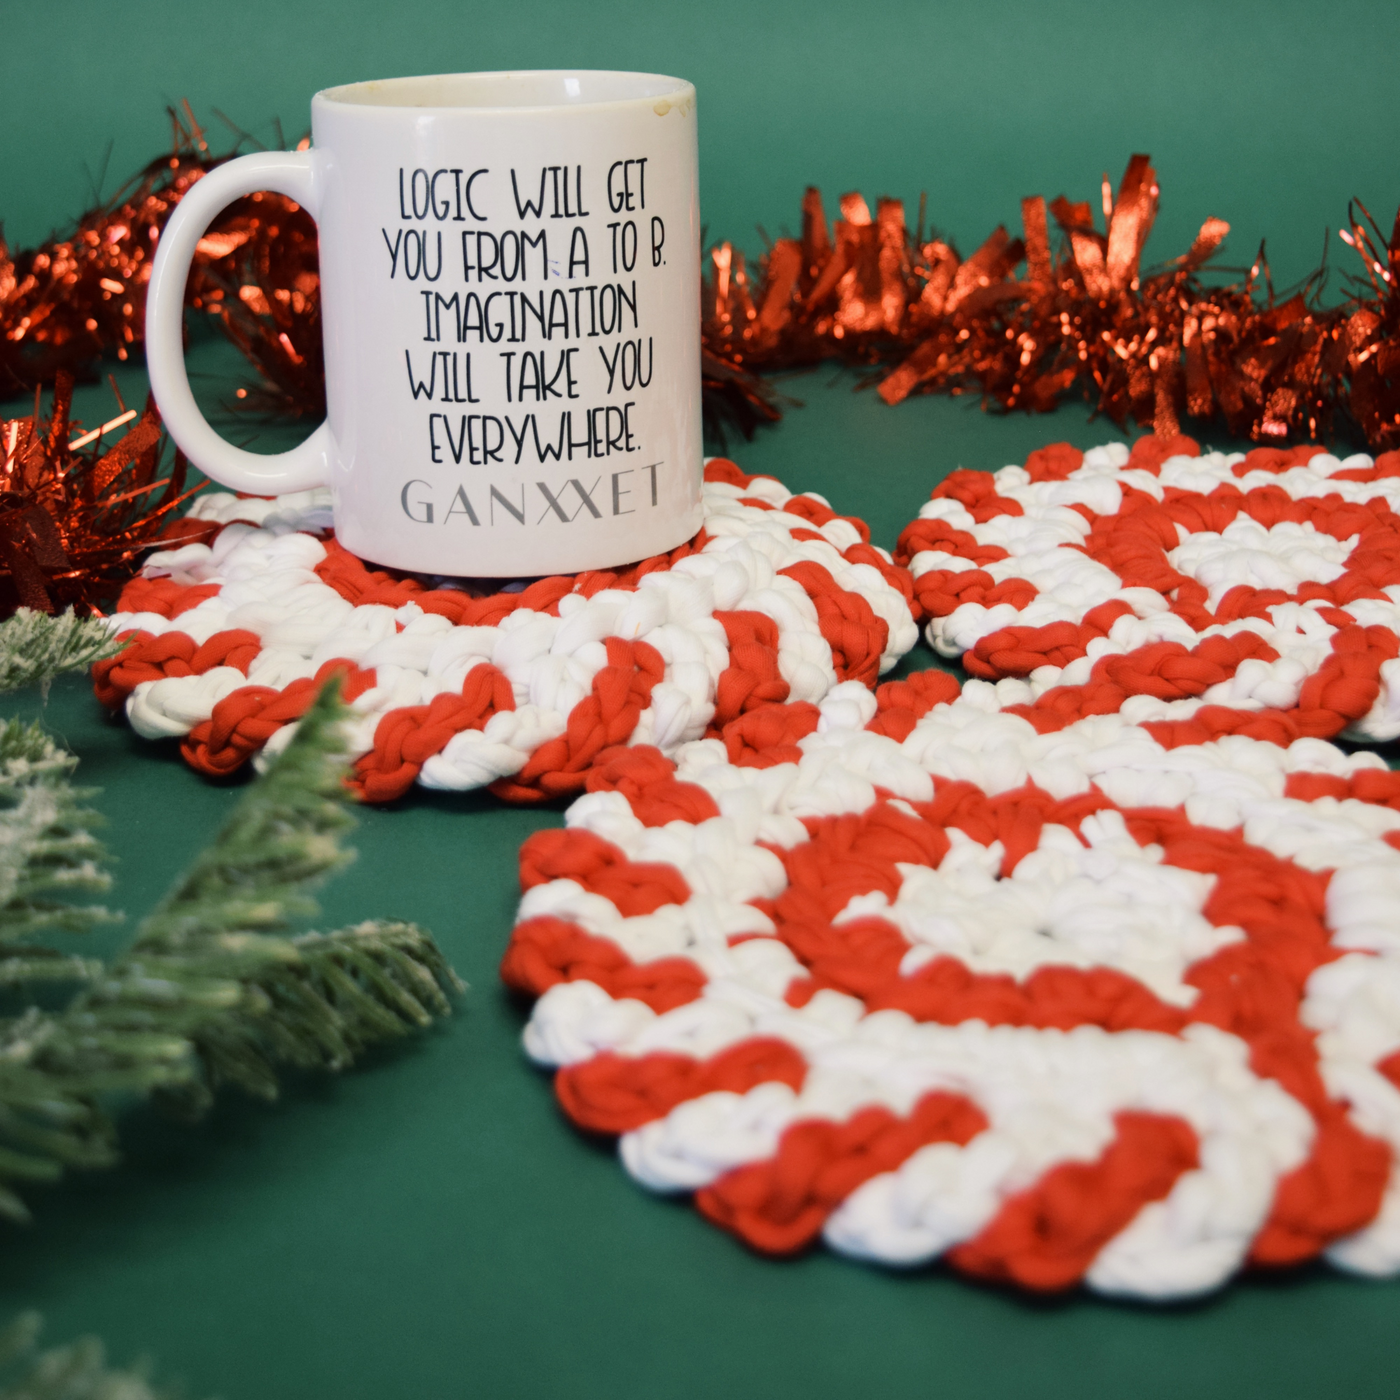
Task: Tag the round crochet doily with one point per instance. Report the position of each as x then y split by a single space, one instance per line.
922 981
778 599
1255 594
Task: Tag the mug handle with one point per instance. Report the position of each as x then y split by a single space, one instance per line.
287 172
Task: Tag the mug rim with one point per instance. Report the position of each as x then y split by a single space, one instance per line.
348 96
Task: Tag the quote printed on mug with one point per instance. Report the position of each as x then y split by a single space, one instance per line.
535 348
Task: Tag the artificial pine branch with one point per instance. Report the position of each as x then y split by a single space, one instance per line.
35 647
215 988
46 849
77 1371
54 1066
282 838
215 950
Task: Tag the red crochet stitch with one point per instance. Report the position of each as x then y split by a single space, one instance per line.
245 720
150 658
610 1094
407 738
780 1205
1047 1237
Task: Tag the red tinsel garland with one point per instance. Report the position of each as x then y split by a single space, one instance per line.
74 519
68 302
76 516
1153 347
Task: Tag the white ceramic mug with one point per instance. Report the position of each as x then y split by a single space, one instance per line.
510 306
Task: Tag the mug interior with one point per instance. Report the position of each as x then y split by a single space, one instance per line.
511 91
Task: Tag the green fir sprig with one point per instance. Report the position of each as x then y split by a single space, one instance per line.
77 1371
35 647
216 988
48 854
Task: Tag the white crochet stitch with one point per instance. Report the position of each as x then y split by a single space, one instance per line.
1049 1096
1044 547
264 562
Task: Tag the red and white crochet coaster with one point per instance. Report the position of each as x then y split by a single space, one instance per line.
778 598
1255 594
1054 1007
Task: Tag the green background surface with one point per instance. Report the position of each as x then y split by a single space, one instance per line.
430 1226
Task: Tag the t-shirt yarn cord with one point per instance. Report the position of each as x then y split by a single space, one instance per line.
1089 542
673 1050
246 717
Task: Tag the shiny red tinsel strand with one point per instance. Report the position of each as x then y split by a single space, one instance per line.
1025 324
70 301
75 514
1020 322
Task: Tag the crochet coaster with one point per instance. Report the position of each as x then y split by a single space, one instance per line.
778 598
1255 594
1059 1007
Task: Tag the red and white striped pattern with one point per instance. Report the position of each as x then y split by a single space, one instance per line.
903 972
1249 593
778 599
